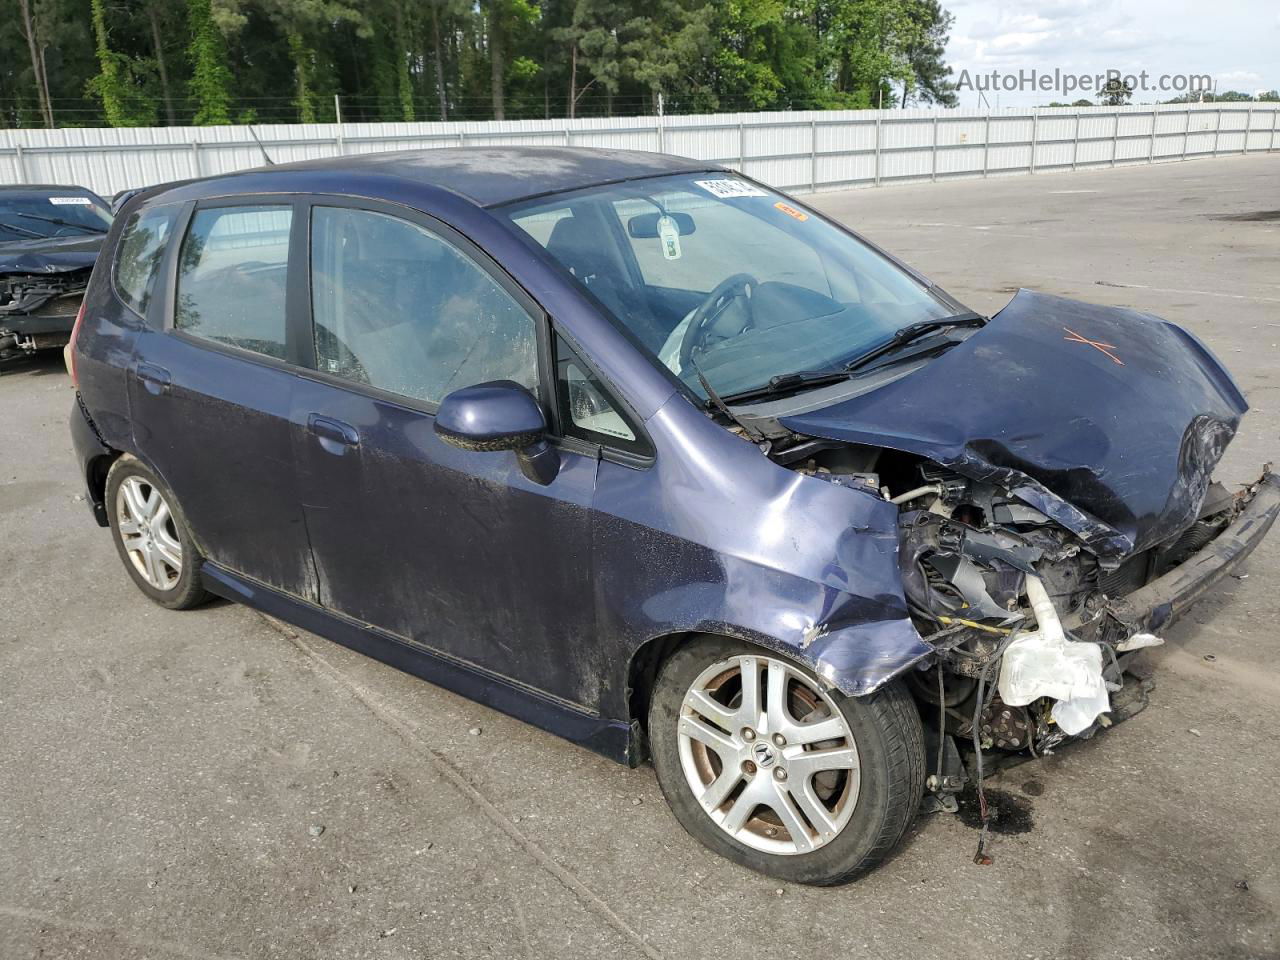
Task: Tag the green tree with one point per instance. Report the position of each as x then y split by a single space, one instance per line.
746 62
924 44
31 32
594 50
862 49
663 49
389 50
1114 93
303 69
120 62
158 13
210 78
121 81
404 84
440 10
506 23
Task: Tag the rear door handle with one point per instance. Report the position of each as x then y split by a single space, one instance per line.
155 379
334 435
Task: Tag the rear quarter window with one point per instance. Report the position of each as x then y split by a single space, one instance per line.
232 276
141 248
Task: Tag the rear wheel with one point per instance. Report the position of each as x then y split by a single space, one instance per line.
151 536
769 767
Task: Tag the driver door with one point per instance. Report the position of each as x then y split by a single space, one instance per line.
452 551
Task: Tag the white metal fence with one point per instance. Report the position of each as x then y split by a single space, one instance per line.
801 151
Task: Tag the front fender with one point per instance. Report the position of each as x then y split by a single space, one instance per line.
716 538
854 644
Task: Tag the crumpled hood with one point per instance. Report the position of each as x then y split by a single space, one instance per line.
1107 420
49 255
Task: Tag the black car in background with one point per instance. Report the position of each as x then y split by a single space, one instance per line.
49 239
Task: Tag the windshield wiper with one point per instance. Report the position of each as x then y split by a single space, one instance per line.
814 378
716 401
23 230
64 223
912 332
788 381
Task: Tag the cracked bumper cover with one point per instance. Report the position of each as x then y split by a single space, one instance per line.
1165 599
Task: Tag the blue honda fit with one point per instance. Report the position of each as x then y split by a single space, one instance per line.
641 451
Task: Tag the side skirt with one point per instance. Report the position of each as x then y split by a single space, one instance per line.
614 739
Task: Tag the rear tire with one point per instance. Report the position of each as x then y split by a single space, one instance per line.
151 536
820 798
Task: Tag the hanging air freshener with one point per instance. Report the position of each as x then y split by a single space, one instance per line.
669 236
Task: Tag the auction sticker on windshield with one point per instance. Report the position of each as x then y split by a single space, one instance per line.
73 201
725 189
791 211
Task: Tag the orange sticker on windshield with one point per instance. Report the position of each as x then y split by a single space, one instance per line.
791 211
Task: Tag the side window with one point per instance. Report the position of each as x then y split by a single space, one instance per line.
231 277
587 410
399 308
141 249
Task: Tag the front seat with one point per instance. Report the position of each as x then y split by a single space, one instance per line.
579 246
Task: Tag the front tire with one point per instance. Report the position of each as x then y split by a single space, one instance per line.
151 536
767 766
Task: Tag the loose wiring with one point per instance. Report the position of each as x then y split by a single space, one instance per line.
981 857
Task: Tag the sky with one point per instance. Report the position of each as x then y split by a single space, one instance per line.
1237 42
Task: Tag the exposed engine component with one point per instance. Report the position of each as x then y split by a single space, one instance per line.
1005 727
1044 663
992 583
34 308
42 293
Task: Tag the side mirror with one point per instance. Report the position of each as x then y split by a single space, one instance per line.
501 415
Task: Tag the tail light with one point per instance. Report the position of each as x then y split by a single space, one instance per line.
69 351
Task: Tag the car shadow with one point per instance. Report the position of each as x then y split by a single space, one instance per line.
42 364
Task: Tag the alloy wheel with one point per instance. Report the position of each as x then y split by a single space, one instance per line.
149 533
767 755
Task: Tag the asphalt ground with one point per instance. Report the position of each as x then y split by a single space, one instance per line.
164 776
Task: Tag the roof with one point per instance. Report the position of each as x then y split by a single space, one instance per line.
490 176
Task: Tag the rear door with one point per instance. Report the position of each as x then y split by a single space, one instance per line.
210 391
453 550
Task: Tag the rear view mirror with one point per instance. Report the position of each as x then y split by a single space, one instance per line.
644 226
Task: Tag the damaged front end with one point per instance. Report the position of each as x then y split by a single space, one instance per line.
1033 632
1056 513
1035 635
37 310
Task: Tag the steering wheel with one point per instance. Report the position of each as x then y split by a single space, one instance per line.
701 319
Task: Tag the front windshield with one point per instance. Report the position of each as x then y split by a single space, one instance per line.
41 214
716 275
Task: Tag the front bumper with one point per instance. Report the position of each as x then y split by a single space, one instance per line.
24 333
1152 608
30 325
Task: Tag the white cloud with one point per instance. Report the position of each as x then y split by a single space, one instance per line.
1246 81
1162 37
